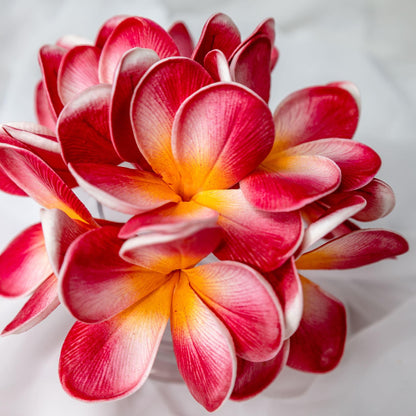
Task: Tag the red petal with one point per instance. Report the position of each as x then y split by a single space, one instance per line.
180 34
107 29
44 112
318 344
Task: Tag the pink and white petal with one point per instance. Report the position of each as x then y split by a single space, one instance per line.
24 263
96 284
315 113
358 162
8 186
170 218
50 57
216 64
219 135
40 305
183 39
126 190
331 219
78 71
132 67
107 29
112 359
253 378
318 344
219 32
44 112
286 284
203 347
155 103
355 249
245 303
251 64
351 88
287 183
130 33
39 181
59 232
264 240
84 128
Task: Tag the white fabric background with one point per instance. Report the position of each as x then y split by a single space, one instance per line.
370 42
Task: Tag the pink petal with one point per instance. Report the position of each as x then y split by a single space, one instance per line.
219 135
318 344
44 112
286 284
131 69
8 186
42 302
126 190
50 57
164 253
112 359
219 32
245 303
83 128
78 71
253 378
290 182
107 29
203 347
131 33
251 65
216 64
169 219
315 113
358 162
332 218
96 284
261 239
24 263
351 88
155 103
40 182
355 249
183 40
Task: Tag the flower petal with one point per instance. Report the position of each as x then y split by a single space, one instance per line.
219 135
8 186
40 182
245 303
165 253
24 263
169 219
355 249
44 112
183 40
315 113
126 190
42 302
216 64
253 378
133 65
219 32
261 239
130 33
318 344
112 359
78 71
286 284
290 182
96 284
83 128
155 103
203 347
107 29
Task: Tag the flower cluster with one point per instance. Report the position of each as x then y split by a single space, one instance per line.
181 139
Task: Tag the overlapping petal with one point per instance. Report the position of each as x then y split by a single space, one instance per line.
180 34
44 112
262 239
246 304
203 347
219 135
216 64
113 358
107 29
318 344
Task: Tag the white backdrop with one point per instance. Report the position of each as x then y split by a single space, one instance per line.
369 42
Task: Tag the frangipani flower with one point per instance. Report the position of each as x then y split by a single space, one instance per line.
216 311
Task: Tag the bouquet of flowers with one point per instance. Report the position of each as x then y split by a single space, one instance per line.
226 202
